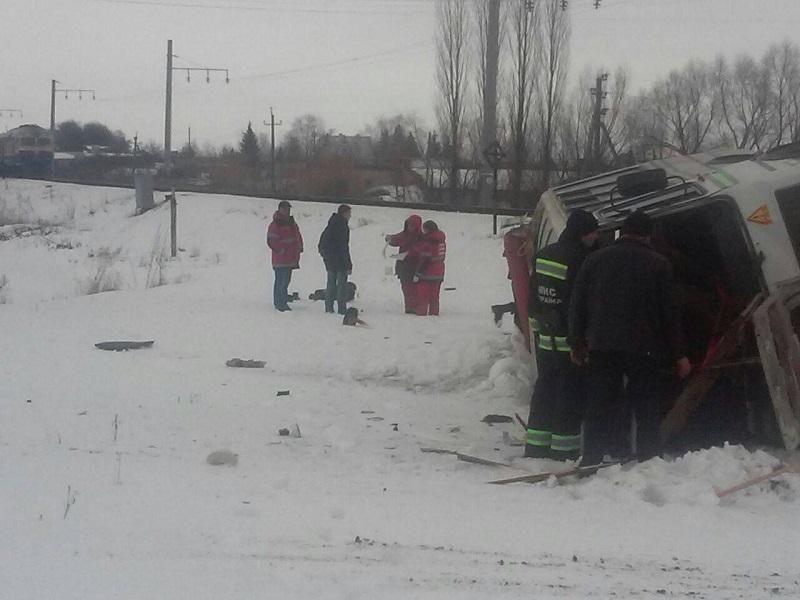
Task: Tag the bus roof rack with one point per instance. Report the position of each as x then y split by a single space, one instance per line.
785 151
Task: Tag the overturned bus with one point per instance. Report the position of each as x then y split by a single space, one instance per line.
730 224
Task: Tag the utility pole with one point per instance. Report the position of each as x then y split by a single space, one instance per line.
168 108
489 133
168 113
595 137
272 125
53 90
168 134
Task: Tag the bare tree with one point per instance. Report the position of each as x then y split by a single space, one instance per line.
574 126
524 33
645 131
744 100
306 131
615 126
481 17
480 9
452 70
686 101
782 64
555 36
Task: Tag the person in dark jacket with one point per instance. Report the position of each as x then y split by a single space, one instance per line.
405 267
286 243
554 424
624 323
334 246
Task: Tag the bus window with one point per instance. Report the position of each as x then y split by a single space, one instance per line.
789 203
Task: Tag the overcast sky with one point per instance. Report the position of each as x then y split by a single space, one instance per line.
346 60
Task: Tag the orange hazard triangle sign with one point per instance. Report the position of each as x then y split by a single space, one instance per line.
761 216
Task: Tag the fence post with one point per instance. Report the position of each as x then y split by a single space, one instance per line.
494 224
173 222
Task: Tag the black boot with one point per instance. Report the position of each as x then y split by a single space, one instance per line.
537 451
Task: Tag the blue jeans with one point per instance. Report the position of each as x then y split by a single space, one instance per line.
335 291
280 293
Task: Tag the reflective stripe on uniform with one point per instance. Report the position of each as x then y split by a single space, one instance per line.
554 343
550 268
566 443
539 437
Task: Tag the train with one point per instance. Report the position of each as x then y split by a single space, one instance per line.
26 151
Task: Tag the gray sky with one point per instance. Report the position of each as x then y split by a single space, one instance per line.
347 60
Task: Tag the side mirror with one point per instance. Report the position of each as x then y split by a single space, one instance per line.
641 182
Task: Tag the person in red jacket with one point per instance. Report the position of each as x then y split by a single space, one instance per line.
286 243
405 267
517 249
430 251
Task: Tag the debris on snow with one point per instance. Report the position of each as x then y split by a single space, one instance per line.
123 346
223 458
492 419
238 363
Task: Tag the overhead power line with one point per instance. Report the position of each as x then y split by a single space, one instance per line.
257 8
352 60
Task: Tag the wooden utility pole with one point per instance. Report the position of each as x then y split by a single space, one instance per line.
595 136
173 223
168 108
168 113
272 125
489 132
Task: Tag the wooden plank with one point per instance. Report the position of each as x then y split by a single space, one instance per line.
776 472
558 474
476 460
775 375
788 352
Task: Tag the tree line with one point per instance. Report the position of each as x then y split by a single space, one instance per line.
551 133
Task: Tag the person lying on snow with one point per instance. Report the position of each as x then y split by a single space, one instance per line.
286 243
429 252
405 267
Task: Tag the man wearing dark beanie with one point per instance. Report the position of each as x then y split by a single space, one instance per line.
624 323
554 424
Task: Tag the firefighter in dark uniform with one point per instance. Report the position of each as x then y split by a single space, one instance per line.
624 322
554 424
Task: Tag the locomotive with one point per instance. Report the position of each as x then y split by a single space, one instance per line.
26 151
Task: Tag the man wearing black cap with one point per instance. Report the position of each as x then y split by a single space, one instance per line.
554 424
624 323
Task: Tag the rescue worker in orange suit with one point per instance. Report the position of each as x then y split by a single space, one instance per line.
554 424
405 267
625 324
517 246
429 252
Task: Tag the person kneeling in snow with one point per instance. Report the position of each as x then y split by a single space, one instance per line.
429 251
405 267
286 243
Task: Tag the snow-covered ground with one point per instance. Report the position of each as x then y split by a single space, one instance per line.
105 491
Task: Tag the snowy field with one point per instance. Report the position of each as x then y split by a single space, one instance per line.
105 491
